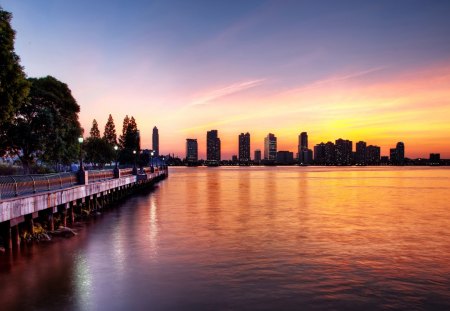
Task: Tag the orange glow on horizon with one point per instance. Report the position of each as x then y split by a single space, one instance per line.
373 105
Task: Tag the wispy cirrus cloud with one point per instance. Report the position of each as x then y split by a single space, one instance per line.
225 91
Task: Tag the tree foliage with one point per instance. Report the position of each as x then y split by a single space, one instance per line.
98 151
14 87
46 127
130 141
110 132
95 132
126 120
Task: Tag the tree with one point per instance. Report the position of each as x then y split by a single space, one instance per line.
95 132
14 87
130 142
126 120
110 132
46 127
98 151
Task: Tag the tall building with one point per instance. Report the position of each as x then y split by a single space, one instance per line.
397 154
257 158
191 151
212 146
373 154
270 147
330 153
344 150
361 153
244 148
303 154
319 154
155 141
400 153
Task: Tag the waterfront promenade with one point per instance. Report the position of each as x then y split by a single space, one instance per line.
58 198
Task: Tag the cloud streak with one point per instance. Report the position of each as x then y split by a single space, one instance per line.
225 91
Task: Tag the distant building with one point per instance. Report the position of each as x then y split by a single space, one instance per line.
393 156
361 153
330 153
285 157
155 141
400 153
303 148
397 154
435 159
234 159
257 157
319 154
343 152
384 160
191 151
212 146
373 155
270 147
244 148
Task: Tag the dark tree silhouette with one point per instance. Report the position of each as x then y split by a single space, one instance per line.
95 132
110 132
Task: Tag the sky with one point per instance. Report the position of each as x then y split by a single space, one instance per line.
377 71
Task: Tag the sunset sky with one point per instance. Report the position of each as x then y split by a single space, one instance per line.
377 71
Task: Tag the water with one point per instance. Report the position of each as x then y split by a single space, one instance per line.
252 239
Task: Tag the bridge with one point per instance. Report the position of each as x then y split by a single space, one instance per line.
57 199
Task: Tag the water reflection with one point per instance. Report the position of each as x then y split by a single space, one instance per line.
254 238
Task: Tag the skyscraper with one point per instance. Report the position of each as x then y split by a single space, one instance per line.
212 146
397 154
191 151
303 154
344 152
270 147
319 154
155 141
400 153
361 153
244 148
373 155
330 153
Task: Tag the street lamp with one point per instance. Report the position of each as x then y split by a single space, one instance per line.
116 168
81 175
134 167
152 169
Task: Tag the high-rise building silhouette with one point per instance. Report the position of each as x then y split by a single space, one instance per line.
330 153
244 148
304 154
361 153
257 158
343 152
397 154
212 146
373 154
191 151
155 141
319 154
400 153
270 147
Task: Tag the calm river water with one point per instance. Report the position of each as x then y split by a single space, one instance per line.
258 238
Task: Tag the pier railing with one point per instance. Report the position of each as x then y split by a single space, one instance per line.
14 186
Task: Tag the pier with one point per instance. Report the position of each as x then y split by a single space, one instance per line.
57 198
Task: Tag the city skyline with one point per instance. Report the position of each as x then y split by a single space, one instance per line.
376 72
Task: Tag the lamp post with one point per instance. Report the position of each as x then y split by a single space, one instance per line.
116 168
81 172
134 167
152 169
